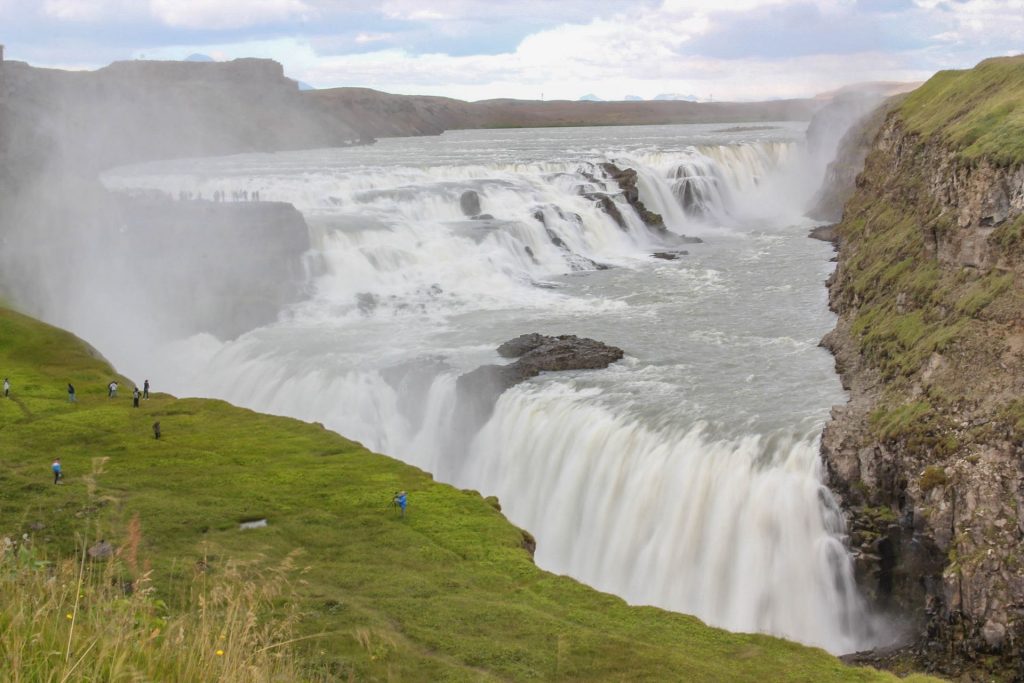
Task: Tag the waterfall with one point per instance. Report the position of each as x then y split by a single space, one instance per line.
732 530
629 480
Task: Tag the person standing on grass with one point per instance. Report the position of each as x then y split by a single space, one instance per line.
135 397
58 474
401 500
145 390
112 390
7 387
71 392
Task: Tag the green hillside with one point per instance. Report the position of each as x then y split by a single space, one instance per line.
979 111
448 593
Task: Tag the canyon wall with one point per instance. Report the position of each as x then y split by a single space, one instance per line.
929 289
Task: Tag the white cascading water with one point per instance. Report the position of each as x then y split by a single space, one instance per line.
686 476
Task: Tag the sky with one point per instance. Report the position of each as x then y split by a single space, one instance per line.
532 49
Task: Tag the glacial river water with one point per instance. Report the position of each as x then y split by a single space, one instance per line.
685 476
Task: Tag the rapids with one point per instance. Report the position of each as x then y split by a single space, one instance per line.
686 476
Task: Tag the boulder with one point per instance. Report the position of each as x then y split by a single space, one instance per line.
608 205
101 551
470 203
538 353
626 178
479 389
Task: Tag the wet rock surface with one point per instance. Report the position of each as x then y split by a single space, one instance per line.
469 202
535 353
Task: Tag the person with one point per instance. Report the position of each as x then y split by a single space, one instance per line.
7 387
145 390
58 474
71 392
112 390
156 430
135 397
401 500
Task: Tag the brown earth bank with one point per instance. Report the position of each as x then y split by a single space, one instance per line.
927 455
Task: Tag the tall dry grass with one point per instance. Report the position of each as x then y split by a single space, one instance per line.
84 620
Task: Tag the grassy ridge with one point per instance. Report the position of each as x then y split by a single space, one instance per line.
448 593
979 111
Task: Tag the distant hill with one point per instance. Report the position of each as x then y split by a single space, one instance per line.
675 97
632 98
197 57
591 98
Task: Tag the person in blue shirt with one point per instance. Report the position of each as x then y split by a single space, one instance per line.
401 501
57 473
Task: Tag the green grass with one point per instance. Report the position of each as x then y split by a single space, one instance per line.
979 111
446 594
82 621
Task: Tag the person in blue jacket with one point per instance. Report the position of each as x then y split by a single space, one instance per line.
57 473
401 501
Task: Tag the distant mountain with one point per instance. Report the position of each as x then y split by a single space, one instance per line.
197 57
676 97
304 86
591 98
632 98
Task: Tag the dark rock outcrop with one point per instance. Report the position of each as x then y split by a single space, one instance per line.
626 179
224 267
576 261
608 205
535 353
539 353
825 233
469 202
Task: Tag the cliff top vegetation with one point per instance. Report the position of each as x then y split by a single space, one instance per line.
979 111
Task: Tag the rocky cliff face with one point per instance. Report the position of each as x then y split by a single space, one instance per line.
928 455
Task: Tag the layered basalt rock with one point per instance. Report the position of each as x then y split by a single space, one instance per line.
928 455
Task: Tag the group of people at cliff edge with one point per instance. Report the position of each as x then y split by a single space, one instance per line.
112 392
58 471
400 500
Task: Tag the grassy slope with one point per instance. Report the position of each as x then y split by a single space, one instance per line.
979 111
446 594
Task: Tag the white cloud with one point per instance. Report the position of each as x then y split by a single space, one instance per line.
608 47
978 21
221 14
89 10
